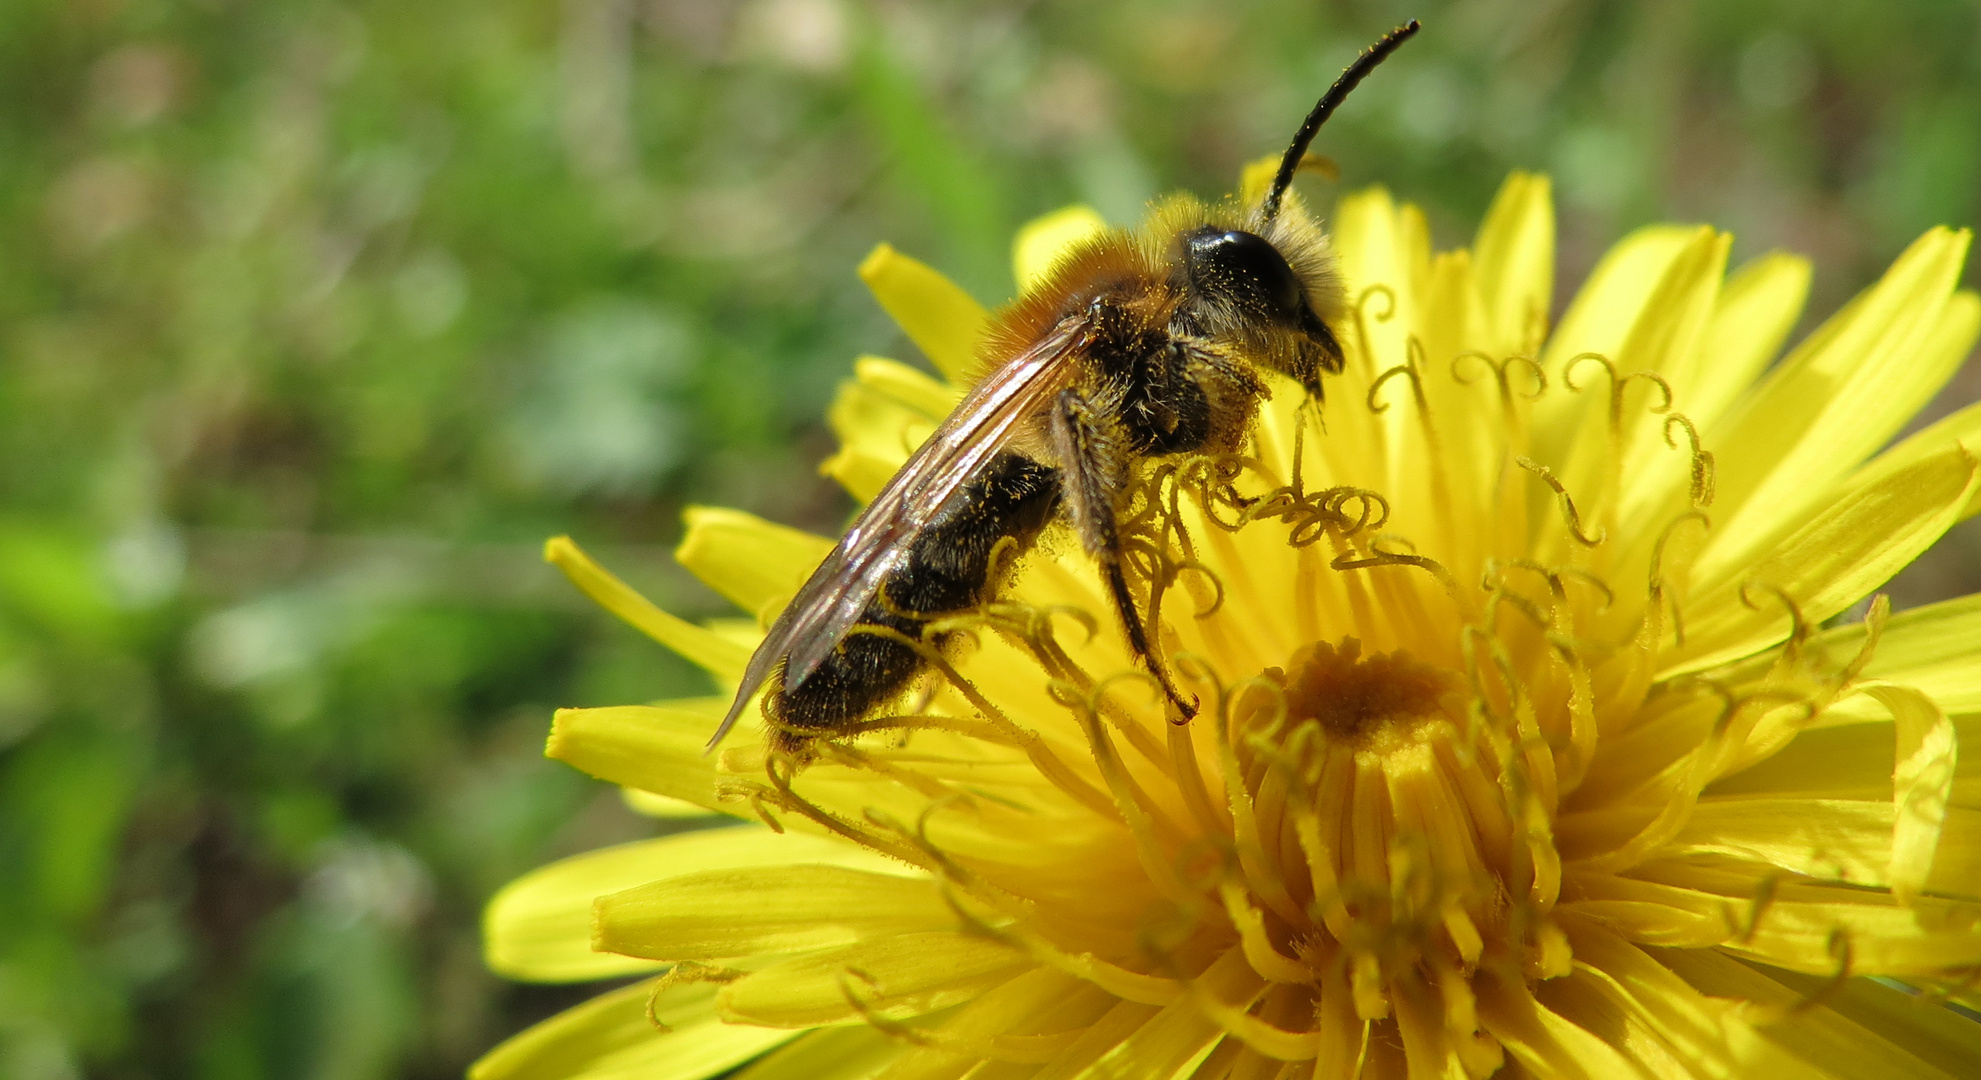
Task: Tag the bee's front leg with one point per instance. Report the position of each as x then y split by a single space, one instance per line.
1094 463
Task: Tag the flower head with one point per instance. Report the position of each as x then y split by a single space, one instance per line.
1527 739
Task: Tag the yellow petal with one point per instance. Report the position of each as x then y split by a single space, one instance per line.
540 926
1836 399
1385 260
1666 341
1855 841
1811 928
756 564
1665 338
1539 1039
788 909
1600 320
1043 240
1824 1028
1375 266
1413 242
1256 178
1515 263
881 415
898 382
1857 543
664 807
1224 994
1032 1019
611 1038
855 1053
1708 1036
719 656
1832 839
1118 1023
1922 784
1757 308
860 472
1162 1046
1951 342
1854 761
655 748
1915 1026
937 315
895 977
1610 302
1935 649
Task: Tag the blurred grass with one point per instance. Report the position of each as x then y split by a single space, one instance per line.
315 319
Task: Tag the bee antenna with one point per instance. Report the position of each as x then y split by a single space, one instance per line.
1324 108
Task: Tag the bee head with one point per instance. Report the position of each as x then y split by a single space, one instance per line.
1239 288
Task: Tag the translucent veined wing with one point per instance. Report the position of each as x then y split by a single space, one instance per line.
926 488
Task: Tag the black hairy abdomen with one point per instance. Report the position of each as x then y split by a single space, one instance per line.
948 569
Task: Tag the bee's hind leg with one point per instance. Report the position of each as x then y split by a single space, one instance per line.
1094 464
1138 639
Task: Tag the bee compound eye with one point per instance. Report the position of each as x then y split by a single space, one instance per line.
1244 267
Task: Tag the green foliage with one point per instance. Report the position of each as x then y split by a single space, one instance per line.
316 318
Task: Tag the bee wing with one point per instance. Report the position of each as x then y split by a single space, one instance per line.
926 488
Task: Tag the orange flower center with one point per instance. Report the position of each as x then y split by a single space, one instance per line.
1356 700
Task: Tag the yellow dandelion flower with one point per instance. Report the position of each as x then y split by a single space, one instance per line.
1531 743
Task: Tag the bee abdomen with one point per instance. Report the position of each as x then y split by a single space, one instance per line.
950 566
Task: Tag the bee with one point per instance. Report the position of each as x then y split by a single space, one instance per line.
1137 346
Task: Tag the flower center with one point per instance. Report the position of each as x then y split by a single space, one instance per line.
1386 846
1360 700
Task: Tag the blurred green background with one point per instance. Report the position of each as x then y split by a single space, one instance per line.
316 318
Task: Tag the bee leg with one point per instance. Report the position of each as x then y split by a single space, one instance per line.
1093 464
1138 638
